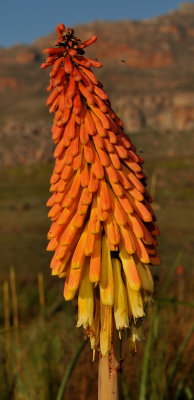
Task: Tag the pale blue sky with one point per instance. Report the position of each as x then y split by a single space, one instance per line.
23 21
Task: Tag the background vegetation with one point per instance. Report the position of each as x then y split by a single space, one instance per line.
37 348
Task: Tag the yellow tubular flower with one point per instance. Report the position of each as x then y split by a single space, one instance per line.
106 280
130 269
120 298
85 300
135 303
146 277
95 330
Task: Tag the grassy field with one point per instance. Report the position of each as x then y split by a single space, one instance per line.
48 337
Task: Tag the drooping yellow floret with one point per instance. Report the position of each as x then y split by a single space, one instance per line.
120 297
106 279
85 300
135 303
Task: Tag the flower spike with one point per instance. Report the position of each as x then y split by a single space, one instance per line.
103 229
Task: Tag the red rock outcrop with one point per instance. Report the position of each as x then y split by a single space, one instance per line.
25 57
184 118
8 83
138 58
186 8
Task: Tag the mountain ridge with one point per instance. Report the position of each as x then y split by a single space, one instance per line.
147 71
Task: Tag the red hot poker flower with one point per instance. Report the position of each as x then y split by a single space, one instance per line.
103 228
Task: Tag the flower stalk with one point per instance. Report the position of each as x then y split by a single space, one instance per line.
109 370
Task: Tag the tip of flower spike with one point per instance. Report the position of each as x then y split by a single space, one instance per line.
68 33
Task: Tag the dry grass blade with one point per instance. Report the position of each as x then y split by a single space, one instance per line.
15 317
41 292
7 324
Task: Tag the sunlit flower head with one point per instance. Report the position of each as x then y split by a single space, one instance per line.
103 230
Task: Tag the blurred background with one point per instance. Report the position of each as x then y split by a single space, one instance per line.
147 51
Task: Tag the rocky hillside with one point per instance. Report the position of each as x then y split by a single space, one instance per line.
148 73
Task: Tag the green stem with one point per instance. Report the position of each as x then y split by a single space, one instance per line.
171 272
142 392
69 370
175 301
179 355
